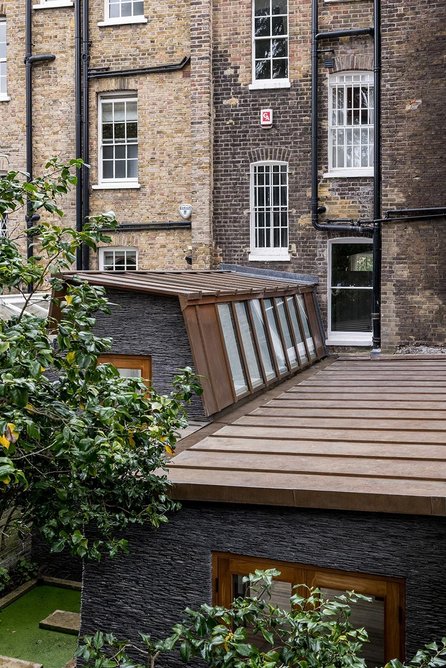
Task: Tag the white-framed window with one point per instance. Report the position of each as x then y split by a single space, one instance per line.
123 11
3 65
269 211
50 4
118 259
3 225
118 142
351 124
350 276
270 44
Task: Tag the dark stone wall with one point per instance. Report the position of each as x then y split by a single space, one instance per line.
170 569
142 324
58 565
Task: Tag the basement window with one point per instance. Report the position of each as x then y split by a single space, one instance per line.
380 617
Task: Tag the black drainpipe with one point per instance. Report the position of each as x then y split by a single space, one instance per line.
377 183
30 60
85 127
78 120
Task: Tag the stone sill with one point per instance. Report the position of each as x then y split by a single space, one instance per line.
122 21
52 4
116 186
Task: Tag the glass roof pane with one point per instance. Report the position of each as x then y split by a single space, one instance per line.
232 349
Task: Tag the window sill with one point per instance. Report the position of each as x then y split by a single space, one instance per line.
118 185
348 173
282 257
123 21
349 339
51 4
270 83
4 98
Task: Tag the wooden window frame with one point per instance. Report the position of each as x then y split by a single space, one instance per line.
141 362
392 590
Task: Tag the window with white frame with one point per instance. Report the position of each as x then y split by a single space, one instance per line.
269 210
3 79
123 11
270 41
118 141
118 259
350 276
351 124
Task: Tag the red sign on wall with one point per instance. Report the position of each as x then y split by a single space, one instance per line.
266 117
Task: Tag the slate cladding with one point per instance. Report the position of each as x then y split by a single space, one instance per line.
142 324
170 568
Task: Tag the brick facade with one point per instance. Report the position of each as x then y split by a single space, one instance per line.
413 174
166 160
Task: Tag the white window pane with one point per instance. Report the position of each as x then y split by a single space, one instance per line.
259 325
114 11
126 9
275 337
107 169
132 169
232 349
138 9
129 373
291 351
119 111
107 111
248 345
131 113
120 169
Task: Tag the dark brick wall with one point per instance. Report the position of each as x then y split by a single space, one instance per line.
239 139
170 569
414 171
142 324
413 145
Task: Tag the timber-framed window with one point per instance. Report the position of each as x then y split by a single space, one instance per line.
130 366
118 12
270 68
351 124
269 211
382 616
118 142
3 65
264 340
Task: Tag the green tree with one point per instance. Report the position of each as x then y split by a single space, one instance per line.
80 446
253 633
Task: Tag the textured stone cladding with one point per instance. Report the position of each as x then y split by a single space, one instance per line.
414 171
141 324
170 569
239 139
164 114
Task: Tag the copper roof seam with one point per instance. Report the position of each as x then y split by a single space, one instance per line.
329 474
329 455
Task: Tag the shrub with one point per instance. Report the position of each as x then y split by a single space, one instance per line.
5 579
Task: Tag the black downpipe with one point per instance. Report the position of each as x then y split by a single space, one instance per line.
78 120
107 73
29 116
377 183
85 127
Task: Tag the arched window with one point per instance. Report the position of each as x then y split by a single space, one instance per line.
351 124
269 211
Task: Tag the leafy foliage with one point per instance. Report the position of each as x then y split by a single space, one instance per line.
80 446
5 579
315 633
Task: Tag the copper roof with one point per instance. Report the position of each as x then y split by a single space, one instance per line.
356 434
189 284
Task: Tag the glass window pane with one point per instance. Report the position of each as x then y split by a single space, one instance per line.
132 130
306 326
296 329
119 130
263 48
291 351
262 26
263 69
248 345
107 169
275 337
114 11
259 325
126 9
280 69
261 7
351 310
279 48
129 373
370 615
232 349
132 169
279 6
138 9
131 111
107 131
119 111
351 265
120 169
279 25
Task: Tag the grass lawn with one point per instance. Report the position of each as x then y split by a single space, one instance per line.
20 636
